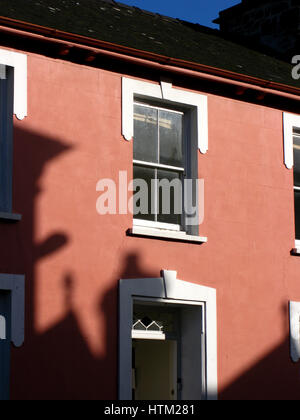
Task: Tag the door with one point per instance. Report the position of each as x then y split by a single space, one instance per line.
155 369
5 338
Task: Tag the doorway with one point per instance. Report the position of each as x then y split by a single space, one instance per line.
155 370
196 306
168 357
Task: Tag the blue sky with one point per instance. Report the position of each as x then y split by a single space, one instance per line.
197 11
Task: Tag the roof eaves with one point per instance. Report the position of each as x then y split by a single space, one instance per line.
80 40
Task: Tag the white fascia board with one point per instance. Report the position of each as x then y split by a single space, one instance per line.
19 62
164 92
289 121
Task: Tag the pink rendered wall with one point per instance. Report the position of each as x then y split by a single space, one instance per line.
73 257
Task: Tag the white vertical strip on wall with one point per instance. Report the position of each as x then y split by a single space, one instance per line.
19 63
2 328
2 72
295 331
16 284
289 122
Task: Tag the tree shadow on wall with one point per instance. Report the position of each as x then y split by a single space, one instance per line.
56 364
273 377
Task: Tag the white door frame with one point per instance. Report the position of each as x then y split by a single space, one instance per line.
167 287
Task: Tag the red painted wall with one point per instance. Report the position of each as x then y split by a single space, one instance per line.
73 258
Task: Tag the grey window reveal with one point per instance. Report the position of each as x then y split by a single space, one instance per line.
296 142
6 137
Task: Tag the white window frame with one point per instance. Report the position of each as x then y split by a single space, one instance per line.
19 63
197 105
289 122
151 223
166 288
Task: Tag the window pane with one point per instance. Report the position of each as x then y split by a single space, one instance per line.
170 197
145 145
297 161
296 130
142 204
297 213
170 138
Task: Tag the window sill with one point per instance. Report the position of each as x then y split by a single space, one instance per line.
10 217
166 234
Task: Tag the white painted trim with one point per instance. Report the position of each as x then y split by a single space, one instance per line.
2 72
296 250
295 331
2 328
168 234
14 217
158 165
148 335
173 301
289 121
164 92
160 108
155 225
16 285
167 287
19 63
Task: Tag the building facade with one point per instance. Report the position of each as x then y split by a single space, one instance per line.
103 304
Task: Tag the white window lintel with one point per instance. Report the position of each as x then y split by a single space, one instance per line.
19 62
289 121
165 92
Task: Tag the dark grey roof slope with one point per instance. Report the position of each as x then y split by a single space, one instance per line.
117 23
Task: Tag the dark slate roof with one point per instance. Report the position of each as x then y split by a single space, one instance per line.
117 23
